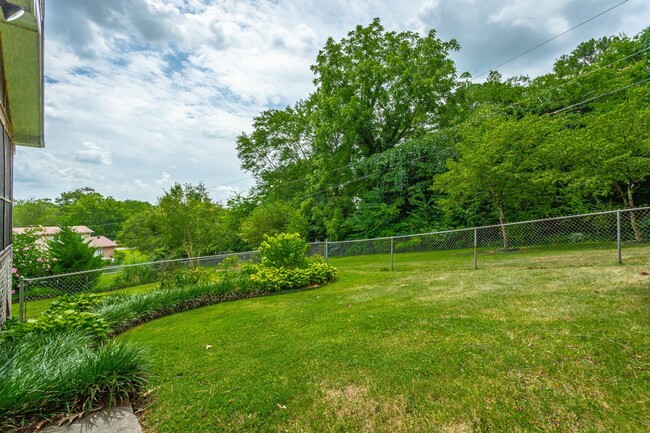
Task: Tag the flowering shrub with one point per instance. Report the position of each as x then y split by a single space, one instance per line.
30 260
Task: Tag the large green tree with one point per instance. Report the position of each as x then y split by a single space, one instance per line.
36 212
611 152
396 197
185 222
375 90
271 219
498 166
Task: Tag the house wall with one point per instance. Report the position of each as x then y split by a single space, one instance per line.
6 183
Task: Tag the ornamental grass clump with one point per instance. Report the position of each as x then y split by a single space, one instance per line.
46 375
123 311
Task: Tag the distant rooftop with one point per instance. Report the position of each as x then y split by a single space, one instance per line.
50 231
101 242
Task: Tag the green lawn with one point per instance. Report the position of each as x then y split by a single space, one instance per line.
532 341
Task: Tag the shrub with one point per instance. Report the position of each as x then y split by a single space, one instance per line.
277 279
185 277
119 257
81 303
47 374
72 253
320 272
286 250
284 265
29 259
135 276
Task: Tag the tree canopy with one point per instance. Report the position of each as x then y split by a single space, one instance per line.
392 141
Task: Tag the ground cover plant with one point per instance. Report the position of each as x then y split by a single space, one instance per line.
534 342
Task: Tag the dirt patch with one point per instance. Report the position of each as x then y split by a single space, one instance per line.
353 407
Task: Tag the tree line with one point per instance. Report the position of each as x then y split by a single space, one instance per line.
393 140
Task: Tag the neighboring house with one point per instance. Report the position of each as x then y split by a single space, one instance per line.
102 245
21 111
46 234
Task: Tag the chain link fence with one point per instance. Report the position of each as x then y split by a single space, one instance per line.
590 237
577 240
113 278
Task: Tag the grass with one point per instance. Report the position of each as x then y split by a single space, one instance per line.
532 341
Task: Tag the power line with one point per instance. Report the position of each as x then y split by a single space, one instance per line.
598 97
591 72
502 64
550 40
357 180
423 156
574 79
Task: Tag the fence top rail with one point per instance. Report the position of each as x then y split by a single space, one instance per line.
609 212
386 238
118 267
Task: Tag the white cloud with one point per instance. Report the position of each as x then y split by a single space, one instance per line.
92 154
145 85
165 179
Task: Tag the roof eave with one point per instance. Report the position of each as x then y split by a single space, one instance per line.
22 51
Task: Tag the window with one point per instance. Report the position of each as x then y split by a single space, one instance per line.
6 158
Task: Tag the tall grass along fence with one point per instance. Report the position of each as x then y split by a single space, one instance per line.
113 278
617 231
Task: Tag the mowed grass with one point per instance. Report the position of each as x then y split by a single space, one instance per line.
532 341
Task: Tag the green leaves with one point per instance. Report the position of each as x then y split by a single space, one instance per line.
286 250
70 253
497 165
269 220
184 223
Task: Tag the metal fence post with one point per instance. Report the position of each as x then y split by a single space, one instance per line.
618 236
21 300
392 250
475 248
326 252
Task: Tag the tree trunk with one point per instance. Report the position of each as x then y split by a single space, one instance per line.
633 222
504 230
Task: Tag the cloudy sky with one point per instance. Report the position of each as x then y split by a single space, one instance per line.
140 94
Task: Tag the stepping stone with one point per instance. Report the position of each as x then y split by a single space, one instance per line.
115 420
